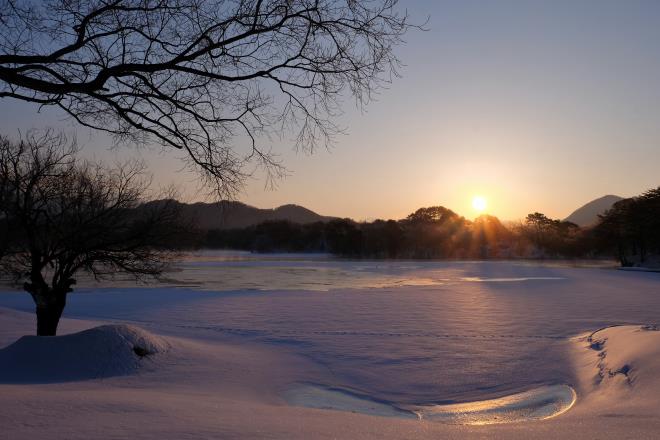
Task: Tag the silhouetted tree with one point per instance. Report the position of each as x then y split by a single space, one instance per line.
632 228
651 202
382 239
433 214
489 236
344 237
553 237
60 215
196 74
432 232
538 225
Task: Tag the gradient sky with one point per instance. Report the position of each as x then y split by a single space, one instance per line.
537 106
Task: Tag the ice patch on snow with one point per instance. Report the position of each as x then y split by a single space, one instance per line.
105 351
509 279
537 404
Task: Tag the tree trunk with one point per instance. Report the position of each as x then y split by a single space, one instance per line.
48 317
50 305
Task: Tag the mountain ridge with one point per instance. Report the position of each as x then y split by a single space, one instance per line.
228 214
587 214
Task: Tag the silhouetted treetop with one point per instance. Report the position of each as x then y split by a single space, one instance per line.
438 214
538 220
214 78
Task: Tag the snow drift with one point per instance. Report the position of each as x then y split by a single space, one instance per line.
619 369
105 351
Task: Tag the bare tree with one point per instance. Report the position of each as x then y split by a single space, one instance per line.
60 215
201 76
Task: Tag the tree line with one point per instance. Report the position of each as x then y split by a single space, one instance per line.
629 231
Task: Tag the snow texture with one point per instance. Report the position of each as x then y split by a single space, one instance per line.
402 335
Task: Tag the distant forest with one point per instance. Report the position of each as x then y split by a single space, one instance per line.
629 231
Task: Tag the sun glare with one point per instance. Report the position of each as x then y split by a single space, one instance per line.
479 203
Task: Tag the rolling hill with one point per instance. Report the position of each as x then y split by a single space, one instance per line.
588 214
231 214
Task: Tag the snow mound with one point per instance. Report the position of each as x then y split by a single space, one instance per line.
105 351
537 404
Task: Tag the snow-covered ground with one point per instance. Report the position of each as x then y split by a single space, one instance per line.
243 335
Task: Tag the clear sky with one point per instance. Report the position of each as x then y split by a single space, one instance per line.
534 105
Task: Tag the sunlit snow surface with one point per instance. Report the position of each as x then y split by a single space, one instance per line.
536 404
410 332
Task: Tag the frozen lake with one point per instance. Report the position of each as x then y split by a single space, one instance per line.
404 331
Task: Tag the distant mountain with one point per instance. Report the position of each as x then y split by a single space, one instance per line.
230 215
588 214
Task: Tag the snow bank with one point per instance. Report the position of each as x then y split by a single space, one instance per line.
619 369
109 350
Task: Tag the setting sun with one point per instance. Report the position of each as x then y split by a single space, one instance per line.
479 203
